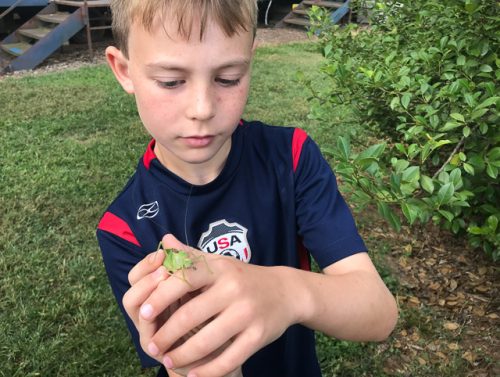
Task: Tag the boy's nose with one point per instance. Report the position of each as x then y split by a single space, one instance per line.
201 105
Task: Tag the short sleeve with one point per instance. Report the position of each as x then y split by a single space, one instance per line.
120 256
324 221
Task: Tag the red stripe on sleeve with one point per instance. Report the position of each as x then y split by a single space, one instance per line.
149 155
299 137
304 261
115 225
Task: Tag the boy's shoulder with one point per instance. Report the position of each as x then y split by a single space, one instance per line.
276 142
259 131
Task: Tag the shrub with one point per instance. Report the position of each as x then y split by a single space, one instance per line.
422 81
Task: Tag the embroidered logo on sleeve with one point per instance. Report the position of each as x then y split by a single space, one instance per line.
225 238
148 211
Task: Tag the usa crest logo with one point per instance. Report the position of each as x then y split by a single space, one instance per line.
228 239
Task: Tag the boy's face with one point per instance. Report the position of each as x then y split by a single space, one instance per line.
190 93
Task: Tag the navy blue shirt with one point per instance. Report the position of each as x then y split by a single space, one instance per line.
275 202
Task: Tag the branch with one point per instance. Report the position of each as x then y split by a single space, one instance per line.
453 153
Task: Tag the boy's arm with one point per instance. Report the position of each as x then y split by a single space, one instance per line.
348 301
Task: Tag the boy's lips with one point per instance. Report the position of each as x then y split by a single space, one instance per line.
198 141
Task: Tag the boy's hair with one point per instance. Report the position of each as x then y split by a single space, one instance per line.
231 16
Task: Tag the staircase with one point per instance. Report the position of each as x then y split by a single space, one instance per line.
44 34
299 14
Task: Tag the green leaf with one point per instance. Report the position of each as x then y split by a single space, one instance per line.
394 103
447 215
466 131
401 148
450 126
410 211
389 215
456 178
494 154
461 60
469 99
405 100
478 113
485 68
396 182
411 174
374 151
468 168
492 222
492 171
344 147
445 193
426 151
476 230
487 103
427 183
401 165
458 117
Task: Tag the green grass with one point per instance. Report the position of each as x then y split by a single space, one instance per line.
68 143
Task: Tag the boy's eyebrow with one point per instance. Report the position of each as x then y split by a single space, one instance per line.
174 67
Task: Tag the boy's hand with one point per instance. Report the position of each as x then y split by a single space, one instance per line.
144 279
239 307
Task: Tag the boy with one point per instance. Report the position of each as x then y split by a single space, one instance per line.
253 197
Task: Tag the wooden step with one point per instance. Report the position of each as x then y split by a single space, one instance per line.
90 3
54 18
302 12
298 21
37 33
324 4
16 49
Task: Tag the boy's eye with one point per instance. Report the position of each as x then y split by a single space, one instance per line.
170 84
227 82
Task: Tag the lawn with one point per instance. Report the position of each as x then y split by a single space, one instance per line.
69 141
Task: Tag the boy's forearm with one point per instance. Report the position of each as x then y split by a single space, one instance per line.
352 306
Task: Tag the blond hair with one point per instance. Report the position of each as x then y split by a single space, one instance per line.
232 16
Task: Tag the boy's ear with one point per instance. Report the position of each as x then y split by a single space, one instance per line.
119 64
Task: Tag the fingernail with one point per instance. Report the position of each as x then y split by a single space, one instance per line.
146 311
167 361
153 349
191 374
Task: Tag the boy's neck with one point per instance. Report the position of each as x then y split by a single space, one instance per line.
196 174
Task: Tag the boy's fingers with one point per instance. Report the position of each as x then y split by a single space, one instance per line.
211 339
141 290
149 264
167 293
243 346
187 320
147 330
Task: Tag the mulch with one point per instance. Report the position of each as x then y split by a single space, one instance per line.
450 297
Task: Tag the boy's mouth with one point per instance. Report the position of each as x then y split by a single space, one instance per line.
198 141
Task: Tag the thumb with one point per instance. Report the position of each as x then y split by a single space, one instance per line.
169 241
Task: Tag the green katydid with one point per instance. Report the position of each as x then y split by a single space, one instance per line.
179 260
